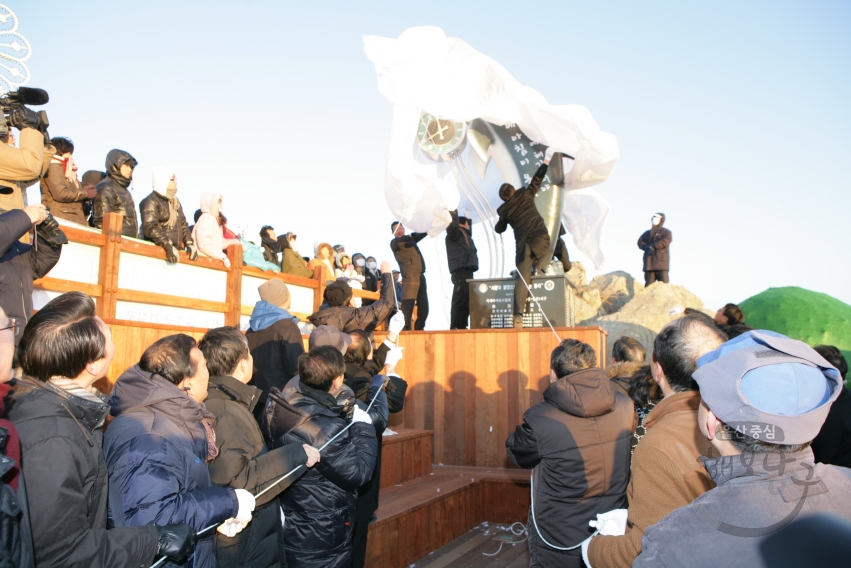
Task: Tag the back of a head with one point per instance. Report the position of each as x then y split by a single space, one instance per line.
833 356
572 356
628 350
506 191
197 214
734 313
643 388
320 366
62 338
734 331
223 348
358 351
169 358
680 344
63 145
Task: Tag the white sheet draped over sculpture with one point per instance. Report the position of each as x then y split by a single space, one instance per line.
423 70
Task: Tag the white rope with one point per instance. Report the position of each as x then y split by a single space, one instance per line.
534 299
535 524
521 531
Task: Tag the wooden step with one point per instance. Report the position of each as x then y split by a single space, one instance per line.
405 456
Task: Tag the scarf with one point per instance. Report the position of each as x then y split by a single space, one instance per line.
69 167
173 208
74 389
208 423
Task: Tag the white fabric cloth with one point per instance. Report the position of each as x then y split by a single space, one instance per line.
425 71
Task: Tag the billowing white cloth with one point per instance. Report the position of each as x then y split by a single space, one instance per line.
424 71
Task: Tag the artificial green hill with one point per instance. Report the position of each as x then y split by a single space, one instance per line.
801 314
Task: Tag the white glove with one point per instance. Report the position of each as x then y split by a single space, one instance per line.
232 527
611 523
393 357
361 416
246 504
548 154
226 262
468 213
585 544
397 323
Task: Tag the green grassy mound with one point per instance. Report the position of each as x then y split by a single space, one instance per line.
801 314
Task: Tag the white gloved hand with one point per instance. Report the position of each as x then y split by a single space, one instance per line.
361 416
393 356
397 323
246 504
548 154
585 544
226 262
232 527
611 523
468 213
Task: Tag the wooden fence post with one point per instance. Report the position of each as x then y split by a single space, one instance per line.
233 316
110 256
320 274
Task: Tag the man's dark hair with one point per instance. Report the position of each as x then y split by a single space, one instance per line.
62 338
223 348
197 215
734 314
628 350
63 145
734 331
643 388
835 357
169 358
571 356
747 445
393 226
464 220
706 318
506 191
680 344
358 351
265 228
320 366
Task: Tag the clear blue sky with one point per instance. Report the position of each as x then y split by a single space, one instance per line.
732 117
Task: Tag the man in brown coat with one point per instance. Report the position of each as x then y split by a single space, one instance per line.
666 471
60 189
577 440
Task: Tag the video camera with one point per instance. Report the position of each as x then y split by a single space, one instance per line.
12 101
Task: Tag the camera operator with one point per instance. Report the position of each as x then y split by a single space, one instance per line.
113 195
21 263
21 167
61 191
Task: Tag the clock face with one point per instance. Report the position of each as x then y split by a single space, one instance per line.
438 136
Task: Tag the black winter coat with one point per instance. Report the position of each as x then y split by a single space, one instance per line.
320 506
460 249
656 249
244 463
833 443
20 264
66 478
366 318
275 350
114 197
578 441
407 253
154 212
520 212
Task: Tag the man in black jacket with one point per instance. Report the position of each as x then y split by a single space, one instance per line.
531 237
656 244
319 508
20 263
113 195
412 266
65 348
337 311
463 261
243 461
163 221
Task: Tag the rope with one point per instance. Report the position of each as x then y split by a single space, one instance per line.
535 523
534 299
521 531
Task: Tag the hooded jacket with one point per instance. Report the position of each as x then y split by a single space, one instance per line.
292 262
520 212
408 255
655 244
621 374
113 195
366 318
20 264
754 494
244 463
66 480
460 249
64 197
320 507
275 343
577 440
327 263
156 453
208 234
155 213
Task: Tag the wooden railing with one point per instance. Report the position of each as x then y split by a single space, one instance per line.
127 288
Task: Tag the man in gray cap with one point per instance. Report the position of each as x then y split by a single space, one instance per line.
764 398
337 311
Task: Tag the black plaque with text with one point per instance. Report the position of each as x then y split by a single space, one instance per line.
492 302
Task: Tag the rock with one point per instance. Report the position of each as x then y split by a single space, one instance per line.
616 289
577 275
583 310
616 329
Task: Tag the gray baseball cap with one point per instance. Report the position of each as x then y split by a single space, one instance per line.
328 335
764 378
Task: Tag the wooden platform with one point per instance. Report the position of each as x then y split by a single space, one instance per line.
488 545
406 456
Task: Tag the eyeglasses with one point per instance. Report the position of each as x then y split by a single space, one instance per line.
12 324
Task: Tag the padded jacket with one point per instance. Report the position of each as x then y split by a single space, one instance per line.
366 318
407 253
460 249
320 506
577 440
521 213
114 197
154 212
156 453
64 198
